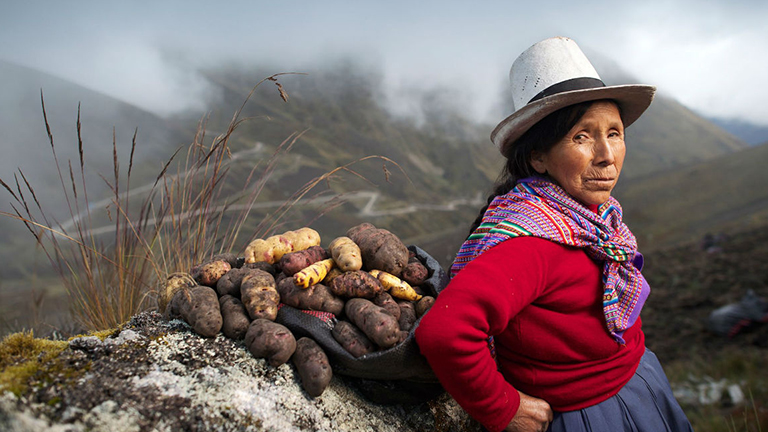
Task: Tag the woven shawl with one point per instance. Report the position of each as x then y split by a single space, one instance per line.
537 207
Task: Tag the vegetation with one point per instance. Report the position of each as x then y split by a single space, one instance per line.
726 194
687 284
184 218
22 356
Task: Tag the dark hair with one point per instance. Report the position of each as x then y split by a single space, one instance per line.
541 137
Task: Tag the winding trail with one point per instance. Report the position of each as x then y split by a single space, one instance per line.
367 210
367 199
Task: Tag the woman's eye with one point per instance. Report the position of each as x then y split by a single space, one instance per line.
579 137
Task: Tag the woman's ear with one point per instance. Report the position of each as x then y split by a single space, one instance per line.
539 162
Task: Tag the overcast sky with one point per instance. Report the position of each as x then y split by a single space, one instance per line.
711 56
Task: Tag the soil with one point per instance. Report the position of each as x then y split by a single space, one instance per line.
689 282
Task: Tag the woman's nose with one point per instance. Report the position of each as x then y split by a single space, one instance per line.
603 152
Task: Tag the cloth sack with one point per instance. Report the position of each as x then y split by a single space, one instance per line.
385 373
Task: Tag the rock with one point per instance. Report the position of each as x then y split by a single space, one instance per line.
706 391
160 375
86 343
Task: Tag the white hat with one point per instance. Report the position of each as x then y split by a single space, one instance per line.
553 74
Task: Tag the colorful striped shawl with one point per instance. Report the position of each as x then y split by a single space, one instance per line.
537 207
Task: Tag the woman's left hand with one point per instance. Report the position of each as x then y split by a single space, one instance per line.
533 415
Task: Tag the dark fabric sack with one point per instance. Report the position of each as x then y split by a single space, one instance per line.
402 363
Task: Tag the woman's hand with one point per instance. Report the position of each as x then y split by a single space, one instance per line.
533 415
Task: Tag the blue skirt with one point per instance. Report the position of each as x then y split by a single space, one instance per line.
644 404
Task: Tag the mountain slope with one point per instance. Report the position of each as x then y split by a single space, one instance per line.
23 134
751 133
447 158
668 134
683 204
24 144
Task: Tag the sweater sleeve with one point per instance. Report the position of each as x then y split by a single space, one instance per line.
479 302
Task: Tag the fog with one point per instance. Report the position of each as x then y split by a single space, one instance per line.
707 55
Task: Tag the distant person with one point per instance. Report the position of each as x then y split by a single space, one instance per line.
539 328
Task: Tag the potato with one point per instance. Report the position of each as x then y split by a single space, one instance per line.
313 367
383 299
261 265
209 272
396 287
294 262
272 249
173 283
415 273
303 238
227 257
402 335
199 307
407 315
229 284
259 295
423 305
314 273
356 284
380 249
374 321
346 254
333 274
317 297
352 339
236 320
270 340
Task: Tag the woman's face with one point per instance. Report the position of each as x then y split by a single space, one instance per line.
588 160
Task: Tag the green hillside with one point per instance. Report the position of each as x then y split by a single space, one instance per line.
448 161
726 193
25 145
669 135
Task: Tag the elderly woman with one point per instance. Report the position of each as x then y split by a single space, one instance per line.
539 328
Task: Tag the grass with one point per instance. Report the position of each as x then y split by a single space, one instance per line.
687 284
193 210
743 367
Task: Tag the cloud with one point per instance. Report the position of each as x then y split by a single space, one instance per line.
708 55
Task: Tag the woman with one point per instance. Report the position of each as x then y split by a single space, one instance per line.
539 327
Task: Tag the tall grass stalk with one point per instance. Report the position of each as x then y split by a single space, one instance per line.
182 219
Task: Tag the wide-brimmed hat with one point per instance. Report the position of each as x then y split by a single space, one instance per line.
553 74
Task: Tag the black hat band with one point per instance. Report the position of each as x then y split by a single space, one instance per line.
569 85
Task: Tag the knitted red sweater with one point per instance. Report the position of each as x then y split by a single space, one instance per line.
542 301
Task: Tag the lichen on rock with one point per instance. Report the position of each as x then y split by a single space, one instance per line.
160 375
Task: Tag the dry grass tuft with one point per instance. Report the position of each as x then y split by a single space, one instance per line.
184 218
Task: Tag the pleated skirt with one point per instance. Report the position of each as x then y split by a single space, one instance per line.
644 404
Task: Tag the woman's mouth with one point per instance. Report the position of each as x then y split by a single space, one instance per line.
601 182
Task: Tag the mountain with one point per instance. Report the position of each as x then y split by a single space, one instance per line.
723 194
751 133
24 139
668 134
448 158
24 144
448 162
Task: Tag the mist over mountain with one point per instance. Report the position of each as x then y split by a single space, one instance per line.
25 144
343 113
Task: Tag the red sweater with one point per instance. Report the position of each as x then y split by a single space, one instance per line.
542 302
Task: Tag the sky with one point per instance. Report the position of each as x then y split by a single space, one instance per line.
711 56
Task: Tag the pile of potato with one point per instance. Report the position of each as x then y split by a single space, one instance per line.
368 279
